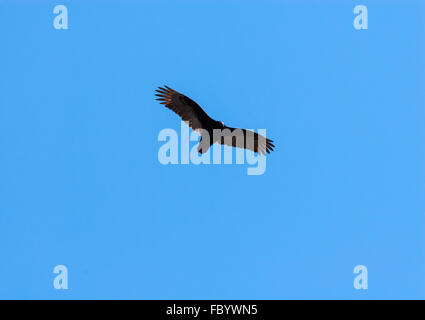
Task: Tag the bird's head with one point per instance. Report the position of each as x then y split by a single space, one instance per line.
221 124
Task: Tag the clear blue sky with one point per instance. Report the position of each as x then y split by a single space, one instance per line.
81 185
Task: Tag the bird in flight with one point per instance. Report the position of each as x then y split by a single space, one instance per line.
191 113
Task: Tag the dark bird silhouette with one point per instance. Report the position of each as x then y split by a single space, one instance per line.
199 121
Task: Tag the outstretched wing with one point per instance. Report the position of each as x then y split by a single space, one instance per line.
246 139
186 108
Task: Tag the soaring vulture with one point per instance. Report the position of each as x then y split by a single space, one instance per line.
199 121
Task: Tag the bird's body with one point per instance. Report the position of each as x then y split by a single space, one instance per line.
211 131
